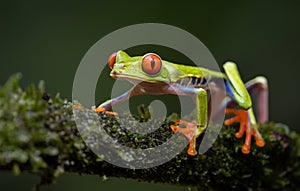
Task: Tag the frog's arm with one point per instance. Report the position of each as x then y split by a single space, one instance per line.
107 105
237 91
193 129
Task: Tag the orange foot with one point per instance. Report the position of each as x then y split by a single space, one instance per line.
101 109
98 110
189 131
245 126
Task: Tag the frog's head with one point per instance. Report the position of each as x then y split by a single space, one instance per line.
149 68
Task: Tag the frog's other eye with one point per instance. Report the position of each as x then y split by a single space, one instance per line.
112 60
151 64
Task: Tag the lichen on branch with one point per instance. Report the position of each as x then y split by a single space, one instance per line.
38 134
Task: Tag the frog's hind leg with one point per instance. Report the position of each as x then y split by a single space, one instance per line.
256 87
245 116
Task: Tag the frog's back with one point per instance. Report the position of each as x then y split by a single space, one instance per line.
193 76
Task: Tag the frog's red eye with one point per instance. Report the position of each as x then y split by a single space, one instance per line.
151 64
112 60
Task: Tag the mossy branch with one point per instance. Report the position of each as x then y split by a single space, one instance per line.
38 134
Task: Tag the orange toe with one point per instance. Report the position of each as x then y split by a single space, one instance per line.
246 149
174 128
192 150
111 113
260 142
232 120
241 131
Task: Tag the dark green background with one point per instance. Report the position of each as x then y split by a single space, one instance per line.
46 40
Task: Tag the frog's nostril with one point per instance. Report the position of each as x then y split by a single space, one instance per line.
113 74
112 60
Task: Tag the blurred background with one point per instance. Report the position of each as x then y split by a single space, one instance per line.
47 40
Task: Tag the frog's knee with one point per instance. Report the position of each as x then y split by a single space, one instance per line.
229 65
263 81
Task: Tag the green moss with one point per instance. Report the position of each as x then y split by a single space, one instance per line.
38 134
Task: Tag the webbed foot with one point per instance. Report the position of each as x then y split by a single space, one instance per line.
189 131
242 117
98 110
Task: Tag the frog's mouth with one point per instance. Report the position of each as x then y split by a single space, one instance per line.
132 79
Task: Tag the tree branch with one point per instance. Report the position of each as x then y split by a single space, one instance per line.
38 134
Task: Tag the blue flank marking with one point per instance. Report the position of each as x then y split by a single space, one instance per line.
229 88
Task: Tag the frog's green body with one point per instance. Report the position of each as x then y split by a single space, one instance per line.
152 75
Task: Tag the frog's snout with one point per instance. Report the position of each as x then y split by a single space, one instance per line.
112 60
113 74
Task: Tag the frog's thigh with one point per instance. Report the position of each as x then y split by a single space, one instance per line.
235 86
258 86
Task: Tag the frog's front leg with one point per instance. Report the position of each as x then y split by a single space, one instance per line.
238 92
193 129
107 105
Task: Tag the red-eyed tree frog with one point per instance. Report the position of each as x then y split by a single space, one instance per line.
156 76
